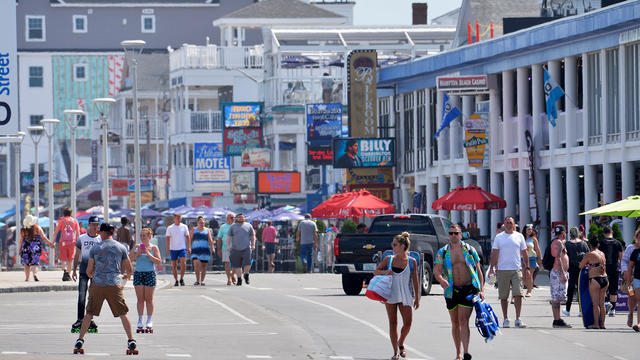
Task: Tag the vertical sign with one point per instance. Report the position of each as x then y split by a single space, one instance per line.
94 161
476 139
8 68
363 98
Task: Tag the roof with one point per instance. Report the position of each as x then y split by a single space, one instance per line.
135 2
281 9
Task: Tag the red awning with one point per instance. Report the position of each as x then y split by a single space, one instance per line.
469 199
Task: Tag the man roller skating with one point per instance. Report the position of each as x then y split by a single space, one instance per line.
104 268
83 246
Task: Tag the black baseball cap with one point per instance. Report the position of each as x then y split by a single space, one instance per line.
94 219
107 227
559 229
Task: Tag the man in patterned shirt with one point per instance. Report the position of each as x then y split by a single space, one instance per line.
461 265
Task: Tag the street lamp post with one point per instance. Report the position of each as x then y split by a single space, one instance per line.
49 130
70 118
103 106
132 49
36 136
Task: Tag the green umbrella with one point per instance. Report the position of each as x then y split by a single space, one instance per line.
629 207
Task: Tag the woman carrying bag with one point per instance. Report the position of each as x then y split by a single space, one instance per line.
405 291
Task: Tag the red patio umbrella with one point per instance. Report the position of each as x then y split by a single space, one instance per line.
469 198
352 204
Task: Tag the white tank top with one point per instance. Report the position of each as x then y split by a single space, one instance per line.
402 287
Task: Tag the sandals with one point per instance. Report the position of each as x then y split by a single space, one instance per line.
196 283
403 352
202 284
395 357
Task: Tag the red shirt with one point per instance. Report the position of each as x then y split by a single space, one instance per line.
269 234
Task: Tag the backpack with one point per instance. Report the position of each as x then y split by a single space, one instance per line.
548 260
67 233
486 320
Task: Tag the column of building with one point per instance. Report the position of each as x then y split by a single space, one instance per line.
555 172
494 177
431 187
523 173
572 172
540 178
507 135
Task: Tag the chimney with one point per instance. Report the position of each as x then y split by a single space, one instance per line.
419 13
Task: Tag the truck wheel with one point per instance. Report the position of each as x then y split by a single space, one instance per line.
427 278
351 284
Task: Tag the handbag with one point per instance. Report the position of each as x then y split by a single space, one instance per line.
379 288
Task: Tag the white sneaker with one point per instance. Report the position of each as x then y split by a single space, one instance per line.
519 324
612 312
505 323
566 313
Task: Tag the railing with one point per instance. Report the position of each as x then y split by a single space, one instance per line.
614 138
633 135
213 57
304 90
128 171
198 122
157 128
595 140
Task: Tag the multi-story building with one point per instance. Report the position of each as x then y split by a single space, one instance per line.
589 158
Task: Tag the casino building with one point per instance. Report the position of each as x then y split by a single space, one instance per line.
591 157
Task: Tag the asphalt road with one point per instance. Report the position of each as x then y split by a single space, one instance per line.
288 316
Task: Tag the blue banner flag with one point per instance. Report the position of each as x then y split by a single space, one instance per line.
552 92
449 112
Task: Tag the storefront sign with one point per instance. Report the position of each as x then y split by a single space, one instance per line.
363 98
324 122
356 153
145 198
319 155
146 184
241 114
463 83
201 201
243 182
369 176
244 199
236 140
383 191
119 187
476 139
256 157
209 164
8 68
278 182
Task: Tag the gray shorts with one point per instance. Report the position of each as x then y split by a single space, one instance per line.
240 258
557 286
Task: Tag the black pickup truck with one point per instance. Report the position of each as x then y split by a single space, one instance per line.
356 255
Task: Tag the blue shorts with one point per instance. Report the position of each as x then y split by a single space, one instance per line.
270 248
533 262
175 254
144 278
636 283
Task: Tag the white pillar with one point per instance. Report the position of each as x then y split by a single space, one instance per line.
556 195
431 196
440 137
586 86
454 132
554 72
467 179
428 130
628 189
454 182
276 150
510 194
523 174
540 179
507 112
609 182
590 192
496 189
301 160
524 216
494 177
483 215
570 65
443 189
573 201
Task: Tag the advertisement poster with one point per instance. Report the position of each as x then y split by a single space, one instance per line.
94 161
241 114
145 185
201 201
475 139
236 140
120 187
363 98
145 198
256 157
243 182
383 191
209 163
275 182
357 153
369 176
8 69
324 122
319 155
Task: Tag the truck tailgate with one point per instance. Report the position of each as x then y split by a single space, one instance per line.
360 248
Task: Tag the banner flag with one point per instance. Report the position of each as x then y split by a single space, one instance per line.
449 112
552 92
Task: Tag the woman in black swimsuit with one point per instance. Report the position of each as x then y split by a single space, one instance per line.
598 282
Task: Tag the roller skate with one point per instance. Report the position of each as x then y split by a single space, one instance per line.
131 347
93 328
149 328
78 347
75 328
140 328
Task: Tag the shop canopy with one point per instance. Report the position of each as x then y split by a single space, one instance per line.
354 204
629 207
469 198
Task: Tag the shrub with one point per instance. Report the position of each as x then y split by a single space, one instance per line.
349 226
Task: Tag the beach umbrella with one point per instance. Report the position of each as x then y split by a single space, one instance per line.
123 212
469 198
286 216
182 209
629 207
96 210
352 204
150 213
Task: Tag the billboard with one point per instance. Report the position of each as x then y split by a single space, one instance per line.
383 191
237 139
256 157
319 155
241 114
120 187
369 176
324 122
146 184
145 198
243 182
359 152
8 69
476 140
209 163
363 97
278 182
201 201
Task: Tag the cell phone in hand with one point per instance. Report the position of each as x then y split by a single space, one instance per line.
142 247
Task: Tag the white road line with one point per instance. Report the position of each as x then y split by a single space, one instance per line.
259 357
14 353
580 344
262 333
179 355
230 310
545 332
97 354
370 325
310 289
619 357
258 288
341 357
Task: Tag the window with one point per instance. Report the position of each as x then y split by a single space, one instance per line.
613 111
409 132
81 120
148 23
35 28
383 114
34 120
632 84
594 94
433 101
79 72
422 129
35 76
79 24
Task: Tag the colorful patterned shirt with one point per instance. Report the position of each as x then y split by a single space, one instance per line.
471 257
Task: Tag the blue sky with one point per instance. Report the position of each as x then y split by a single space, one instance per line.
397 12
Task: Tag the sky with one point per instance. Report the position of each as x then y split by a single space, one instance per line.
397 12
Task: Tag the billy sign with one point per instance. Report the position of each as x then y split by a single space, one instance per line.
363 101
8 69
209 164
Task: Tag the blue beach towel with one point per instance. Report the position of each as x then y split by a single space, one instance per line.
486 319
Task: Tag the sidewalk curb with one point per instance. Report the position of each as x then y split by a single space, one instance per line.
42 288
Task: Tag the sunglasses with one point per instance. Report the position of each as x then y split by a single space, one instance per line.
453 233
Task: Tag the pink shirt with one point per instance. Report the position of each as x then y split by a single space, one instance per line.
269 234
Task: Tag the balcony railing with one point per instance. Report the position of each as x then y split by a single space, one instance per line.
157 128
198 122
633 135
305 90
216 57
